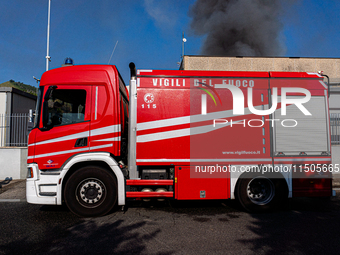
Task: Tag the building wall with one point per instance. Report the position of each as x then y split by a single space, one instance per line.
14 128
329 66
22 104
16 101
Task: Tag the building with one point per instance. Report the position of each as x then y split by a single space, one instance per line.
13 100
14 107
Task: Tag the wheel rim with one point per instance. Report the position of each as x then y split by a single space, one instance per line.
261 190
91 192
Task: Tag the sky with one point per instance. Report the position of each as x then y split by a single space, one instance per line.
148 32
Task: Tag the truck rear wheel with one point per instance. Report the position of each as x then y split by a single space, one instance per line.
91 191
261 193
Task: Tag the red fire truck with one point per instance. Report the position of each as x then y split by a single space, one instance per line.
258 137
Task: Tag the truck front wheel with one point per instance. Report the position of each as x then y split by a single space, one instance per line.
260 193
91 191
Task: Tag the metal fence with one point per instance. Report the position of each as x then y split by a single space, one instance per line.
14 129
335 128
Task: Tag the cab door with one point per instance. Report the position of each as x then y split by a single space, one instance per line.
65 131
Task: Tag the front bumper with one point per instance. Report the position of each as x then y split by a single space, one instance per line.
41 188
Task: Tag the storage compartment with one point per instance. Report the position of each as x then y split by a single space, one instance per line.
154 174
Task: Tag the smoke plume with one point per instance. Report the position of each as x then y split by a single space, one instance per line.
239 27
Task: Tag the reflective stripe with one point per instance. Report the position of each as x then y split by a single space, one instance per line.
111 139
295 159
205 160
64 138
314 74
144 71
96 104
70 151
232 160
163 123
192 119
163 160
323 84
180 133
105 130
99 131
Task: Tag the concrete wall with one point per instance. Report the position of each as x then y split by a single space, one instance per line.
3 103
13 162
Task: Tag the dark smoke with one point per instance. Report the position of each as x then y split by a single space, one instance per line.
239 27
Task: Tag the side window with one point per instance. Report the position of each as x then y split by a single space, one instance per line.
66 106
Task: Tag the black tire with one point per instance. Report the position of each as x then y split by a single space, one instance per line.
260 193
90 192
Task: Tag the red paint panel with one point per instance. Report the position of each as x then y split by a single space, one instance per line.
171 127
79 75
105 114
313 85
187 188
244 136
54 146
31 149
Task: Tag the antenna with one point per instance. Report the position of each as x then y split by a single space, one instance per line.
48 58
37 80
113 52
183 41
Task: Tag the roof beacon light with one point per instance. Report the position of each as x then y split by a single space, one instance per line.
68 62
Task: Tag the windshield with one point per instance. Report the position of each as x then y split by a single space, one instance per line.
38 107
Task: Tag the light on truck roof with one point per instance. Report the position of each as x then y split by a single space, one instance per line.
68 62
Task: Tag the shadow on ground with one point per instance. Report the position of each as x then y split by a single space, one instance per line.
309 226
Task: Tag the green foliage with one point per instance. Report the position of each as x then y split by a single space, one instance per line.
21 86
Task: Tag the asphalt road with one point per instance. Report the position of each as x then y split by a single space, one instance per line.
307 226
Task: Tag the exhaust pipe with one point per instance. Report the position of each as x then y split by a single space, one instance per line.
132 124
133 73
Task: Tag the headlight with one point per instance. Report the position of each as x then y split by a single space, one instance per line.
30 172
